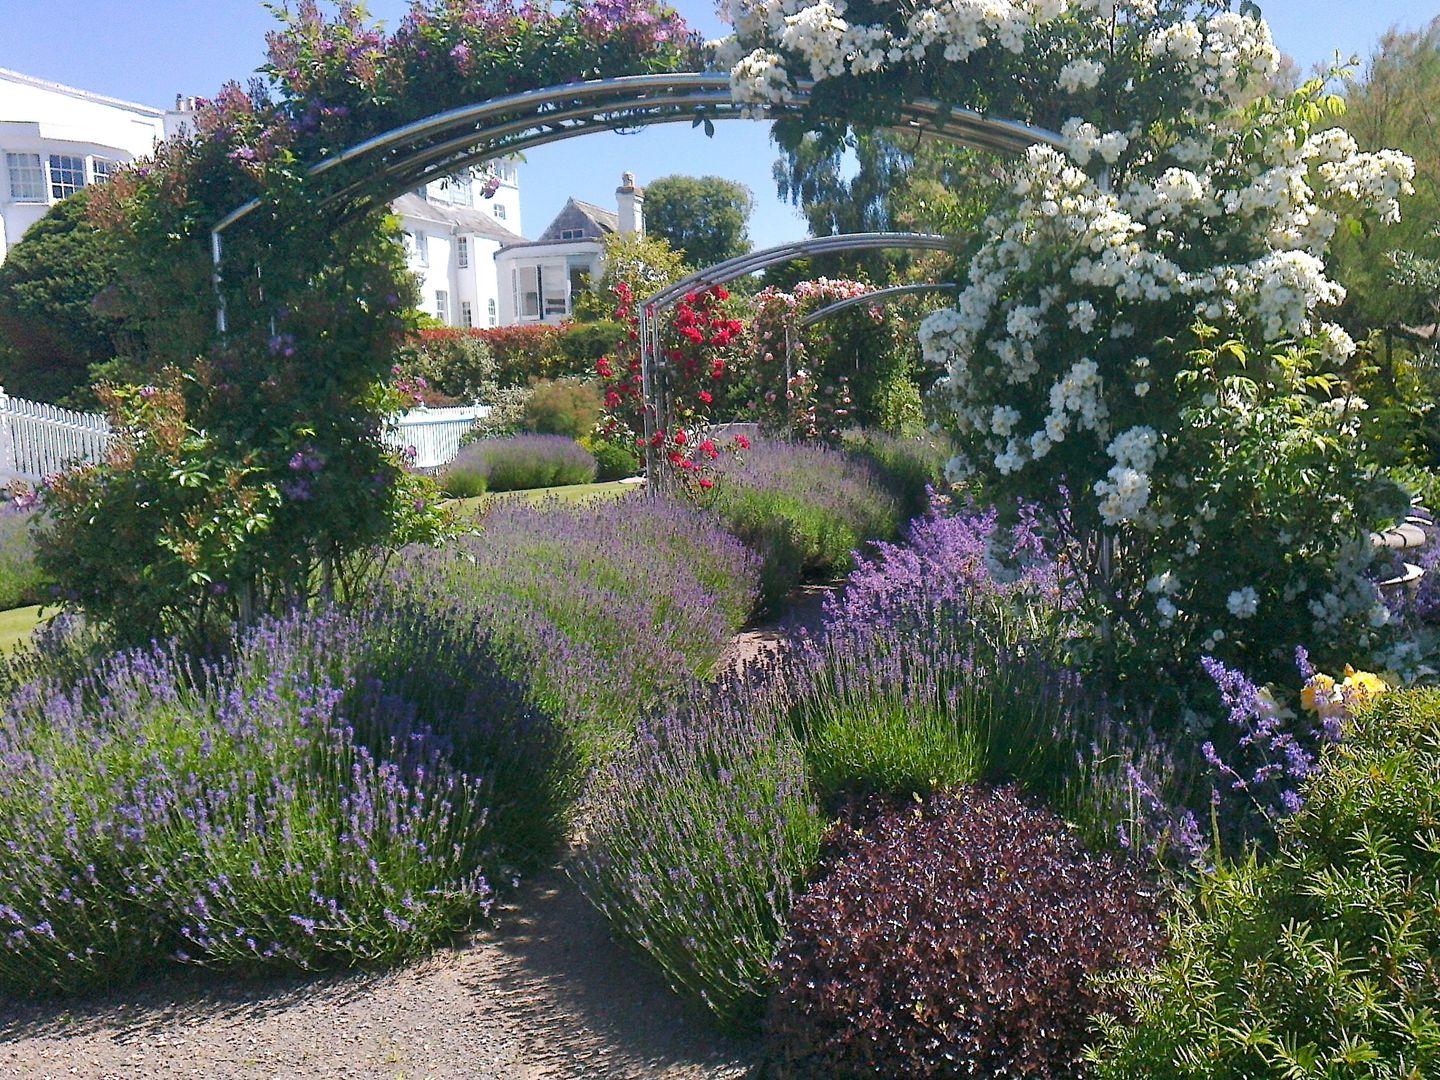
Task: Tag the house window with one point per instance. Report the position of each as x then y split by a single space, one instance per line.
529 283
67 175
422 248
500 211
462 252
467 314
442 306
572 234
27 178
492 313
100 170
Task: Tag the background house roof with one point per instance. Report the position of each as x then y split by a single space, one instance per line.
462 218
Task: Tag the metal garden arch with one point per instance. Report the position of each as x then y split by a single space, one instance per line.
372 172
652 308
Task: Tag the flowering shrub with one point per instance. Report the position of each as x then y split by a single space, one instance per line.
199 534
804 508
1320 961
697 841
517 463
699 337
954 937
1224 464
339 793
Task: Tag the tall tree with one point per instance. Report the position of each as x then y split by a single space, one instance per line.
1396 104
705 218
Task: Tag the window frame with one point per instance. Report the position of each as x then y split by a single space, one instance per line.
68 167
40 181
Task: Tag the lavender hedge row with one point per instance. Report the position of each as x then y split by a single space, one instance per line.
600 607
342 791
517 463
804 508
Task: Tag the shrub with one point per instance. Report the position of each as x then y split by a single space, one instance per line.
697 841
518 463
614 459
569 407
524 354
585 343
804 508
341 792
455 364
21 580
1320 962
955 937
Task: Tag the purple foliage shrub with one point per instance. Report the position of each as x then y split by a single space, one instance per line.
955 937
516 463
302 804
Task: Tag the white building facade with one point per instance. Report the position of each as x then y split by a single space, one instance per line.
453 230
55 140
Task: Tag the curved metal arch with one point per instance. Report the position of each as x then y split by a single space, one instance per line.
870 297
630 95
651 308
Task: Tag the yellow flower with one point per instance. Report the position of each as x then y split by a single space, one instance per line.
1319 685
1363 685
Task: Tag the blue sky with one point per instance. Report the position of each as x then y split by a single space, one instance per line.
150 50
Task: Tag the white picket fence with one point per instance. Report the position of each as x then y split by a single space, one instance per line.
38 440
434 434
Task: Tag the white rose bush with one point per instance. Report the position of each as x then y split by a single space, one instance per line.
1142 348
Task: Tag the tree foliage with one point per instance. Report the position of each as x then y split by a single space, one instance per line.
704 218
1388 268
51 325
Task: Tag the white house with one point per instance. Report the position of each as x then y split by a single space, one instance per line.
540 279
453 230
56 140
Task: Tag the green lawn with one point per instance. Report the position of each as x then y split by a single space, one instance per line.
571 493
15 626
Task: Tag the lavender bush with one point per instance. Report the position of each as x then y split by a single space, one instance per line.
598 607
517 463
294 805
697 843
804 507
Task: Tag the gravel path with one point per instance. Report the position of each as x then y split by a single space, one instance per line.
547 996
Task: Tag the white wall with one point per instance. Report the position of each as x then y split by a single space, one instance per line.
45 119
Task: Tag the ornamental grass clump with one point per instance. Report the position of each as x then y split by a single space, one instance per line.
304 804
518 463
697 842
805 508
954 936
1320 961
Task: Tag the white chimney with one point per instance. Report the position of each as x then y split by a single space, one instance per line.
631 203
